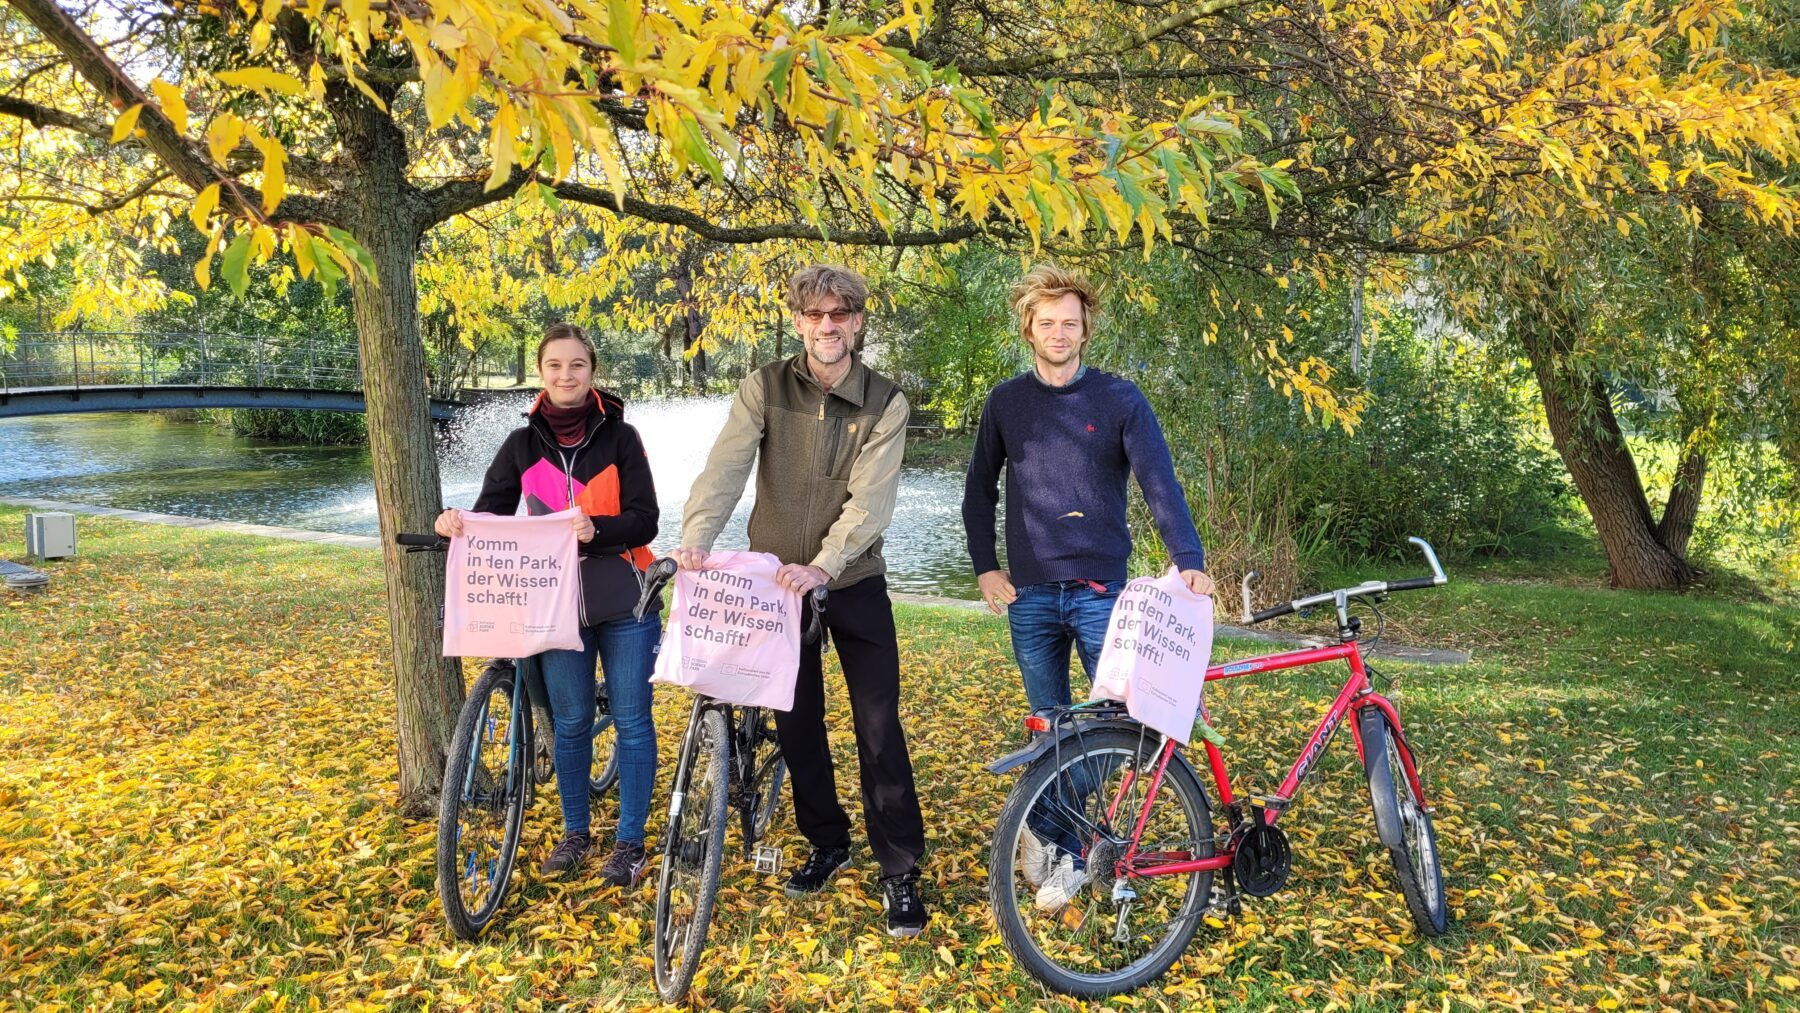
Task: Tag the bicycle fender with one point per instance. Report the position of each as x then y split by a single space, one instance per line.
1044 742
1387 813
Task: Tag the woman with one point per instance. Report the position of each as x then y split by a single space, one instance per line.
576 450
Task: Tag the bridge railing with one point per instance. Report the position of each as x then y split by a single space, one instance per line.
201 358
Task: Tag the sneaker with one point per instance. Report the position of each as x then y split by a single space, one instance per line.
1035 858
818 871
568 855
905 908
625 866
1062 885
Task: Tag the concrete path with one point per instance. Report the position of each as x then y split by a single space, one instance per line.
1391 652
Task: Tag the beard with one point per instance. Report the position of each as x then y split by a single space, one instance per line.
829 356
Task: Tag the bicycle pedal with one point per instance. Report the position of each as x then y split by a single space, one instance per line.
766 859
1275 804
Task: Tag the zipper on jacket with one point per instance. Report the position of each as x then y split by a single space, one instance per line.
568 461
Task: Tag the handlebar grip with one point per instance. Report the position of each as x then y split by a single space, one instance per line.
1411 584
421 541
1286 608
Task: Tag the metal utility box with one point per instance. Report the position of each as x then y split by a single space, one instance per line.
49 536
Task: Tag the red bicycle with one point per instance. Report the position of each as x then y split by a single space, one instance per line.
1115 814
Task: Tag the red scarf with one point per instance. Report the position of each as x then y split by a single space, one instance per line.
570 425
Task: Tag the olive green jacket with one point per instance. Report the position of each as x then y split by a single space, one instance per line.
827 468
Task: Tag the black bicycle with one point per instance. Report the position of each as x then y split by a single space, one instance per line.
496 762
730 759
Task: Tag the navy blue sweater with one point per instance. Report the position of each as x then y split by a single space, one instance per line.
1067 452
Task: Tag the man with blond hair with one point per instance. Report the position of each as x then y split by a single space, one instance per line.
826 434
1069 437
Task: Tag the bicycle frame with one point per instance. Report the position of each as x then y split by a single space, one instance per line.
1356 694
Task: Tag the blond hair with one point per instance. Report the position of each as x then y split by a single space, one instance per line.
1046 283
810 284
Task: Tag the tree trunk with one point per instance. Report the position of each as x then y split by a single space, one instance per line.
1587 436
1677 527
384 217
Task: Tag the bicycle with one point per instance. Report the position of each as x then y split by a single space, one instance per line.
1094 776
489 784
719 770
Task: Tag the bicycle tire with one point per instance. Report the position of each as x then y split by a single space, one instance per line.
469 789
1188 796
693 842
771 773
1403 824
605 771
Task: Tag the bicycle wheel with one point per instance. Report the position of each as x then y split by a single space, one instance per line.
693 847
1404 825
1116 933
481 810
605 771
771 773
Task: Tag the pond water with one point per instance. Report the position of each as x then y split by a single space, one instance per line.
142 462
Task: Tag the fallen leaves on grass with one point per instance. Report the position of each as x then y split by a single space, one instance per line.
195 813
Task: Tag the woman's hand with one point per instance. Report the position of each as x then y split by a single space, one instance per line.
584 528
449 523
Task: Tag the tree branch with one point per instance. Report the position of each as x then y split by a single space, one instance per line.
184 160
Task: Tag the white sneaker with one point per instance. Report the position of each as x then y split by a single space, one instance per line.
1062 885
1035 857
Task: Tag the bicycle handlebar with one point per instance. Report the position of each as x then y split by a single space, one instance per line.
1365 589
663 570
422 543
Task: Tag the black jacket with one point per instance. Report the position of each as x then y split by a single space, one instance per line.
607 475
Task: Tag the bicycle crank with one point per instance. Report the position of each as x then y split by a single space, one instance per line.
1262 861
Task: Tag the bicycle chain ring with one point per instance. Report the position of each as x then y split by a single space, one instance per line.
1262 861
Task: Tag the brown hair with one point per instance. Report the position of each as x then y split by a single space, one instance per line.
1047 282
810 284
560 331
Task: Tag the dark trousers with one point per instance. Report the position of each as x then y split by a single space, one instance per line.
861 620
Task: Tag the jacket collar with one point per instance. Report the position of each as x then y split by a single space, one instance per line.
854 387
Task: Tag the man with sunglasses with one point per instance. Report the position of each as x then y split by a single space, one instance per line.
826 434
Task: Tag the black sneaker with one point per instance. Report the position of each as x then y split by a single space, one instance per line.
905 908
816 874
625 866
568 855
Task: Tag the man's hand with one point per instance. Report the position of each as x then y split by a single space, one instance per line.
689 558
449 523
997 590
1198 582
801 578
584 528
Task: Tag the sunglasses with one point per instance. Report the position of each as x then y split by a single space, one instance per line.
837 316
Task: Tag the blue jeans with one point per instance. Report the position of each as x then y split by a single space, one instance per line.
626 651
1046 621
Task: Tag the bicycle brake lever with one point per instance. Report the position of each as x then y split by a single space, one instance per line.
654 578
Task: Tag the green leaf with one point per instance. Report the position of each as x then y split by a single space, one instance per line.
621 28
698 151
235 264
354 250
781 65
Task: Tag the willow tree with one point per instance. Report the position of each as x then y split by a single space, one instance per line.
339 134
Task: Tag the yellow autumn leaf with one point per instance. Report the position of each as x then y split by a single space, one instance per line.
262 80
126 123
173 105
204 203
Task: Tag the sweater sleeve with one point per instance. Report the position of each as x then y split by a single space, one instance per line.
874 485
1148 453
500 486
721 483
636 521
981 491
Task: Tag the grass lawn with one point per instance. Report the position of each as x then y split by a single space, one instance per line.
195 812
